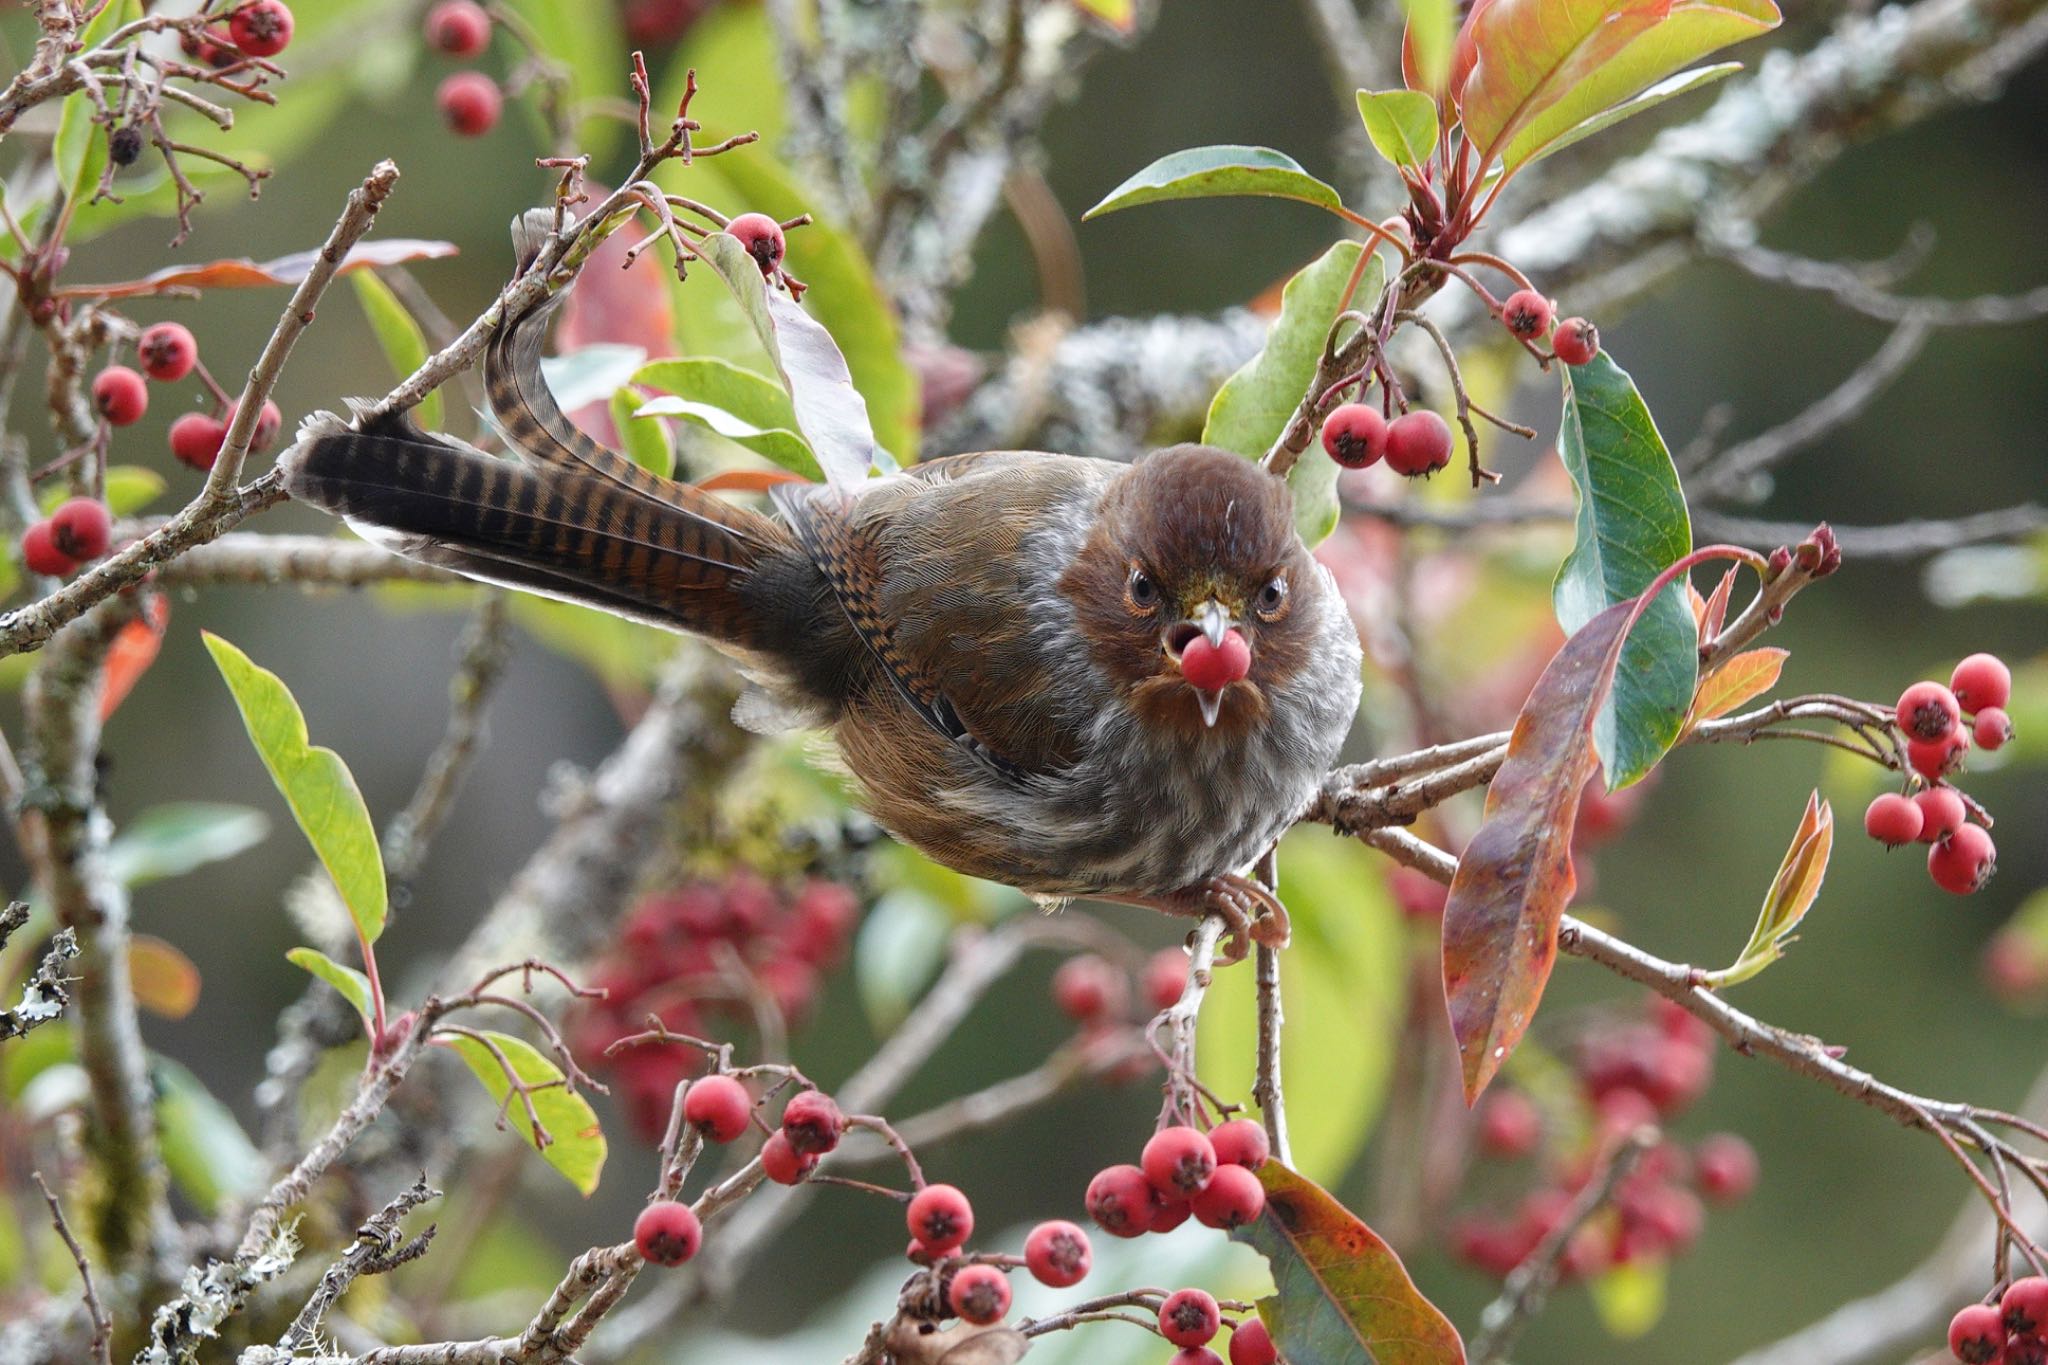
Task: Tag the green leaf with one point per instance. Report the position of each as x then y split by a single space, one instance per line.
736 54
592 49
1426 41
210 1158
353 985
784 447
642 435
575 1144
736 403
180 837
80 149
1219 172
829 411
1630 1298
590 374
1792 894
896 953
1344 1298
1669 88
316 784
1121 15
1254 405
399 336
1632 524
1401 124
130 488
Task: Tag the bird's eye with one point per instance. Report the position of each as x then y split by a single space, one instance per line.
1142 591
1272 598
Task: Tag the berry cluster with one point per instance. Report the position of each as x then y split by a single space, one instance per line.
702 950
1961 856
1637 1073
261 28
2013 1331
1528 315
470 101
1183 1171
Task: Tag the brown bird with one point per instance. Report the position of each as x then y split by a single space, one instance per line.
1075 676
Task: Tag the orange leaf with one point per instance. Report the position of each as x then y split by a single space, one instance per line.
133 651
1792 894
748 480
1716 613
164 979
1743 678
243 273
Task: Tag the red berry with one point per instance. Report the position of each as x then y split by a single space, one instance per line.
1964 861
667 1233
1725 1166
812 1122
1195 1355
1087 987
196 439
39 552
1623 1110
262 28
167 351
941 1218
1509 1125
1893 819
1992 728
1981 680
120 395
1179 1160
1057 1254
2025 1350
1190 1317
1122 1201
782 1163
458 28
1166 975
81 528
1976 1335
1418 443
979 1294
1936 759
1232 1198
719 1105
267 423
1527 314
822 916
1928 711
2025 1306
1575 341
1240 1142
1252 1344
1941 813
1211 668
1355 435
1172 1213
762 237
470 103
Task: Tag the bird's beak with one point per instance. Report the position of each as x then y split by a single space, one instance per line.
1214 621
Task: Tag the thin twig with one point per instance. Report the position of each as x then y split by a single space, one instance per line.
102 1325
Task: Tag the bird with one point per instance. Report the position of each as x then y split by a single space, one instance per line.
1080 677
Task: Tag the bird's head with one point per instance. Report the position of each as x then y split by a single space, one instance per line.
1191 590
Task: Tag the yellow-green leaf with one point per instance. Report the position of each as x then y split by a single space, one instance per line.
1219 172
210 1158
1670 88
354 986
398 336
1121 15
130 488
1792 894
643 436
575 1144
1742 679
316 785
1401 124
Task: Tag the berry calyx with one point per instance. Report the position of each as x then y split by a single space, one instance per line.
1190 1317
1527 314
1509 1125
1725 1166
979 1294
470 103
762 237
940 1217
81 528
1893 819
1355 435
812 1122
1211 668
167 351
1179 1160
1964 861
667 1233
2025 1306
1232 1198
39 552
1941 813
1928 711
1992 729
1418 443
1575 341
784 1164
1936 759
1166 975
1240 1142
196 439
1122 1201
120 395
719 1105
1252 1344
1057 1254
1976 1335
1087 988
262 28
458 28
1981 680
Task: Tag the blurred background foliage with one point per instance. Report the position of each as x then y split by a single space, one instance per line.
1887 964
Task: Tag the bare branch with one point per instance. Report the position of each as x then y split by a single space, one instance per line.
379 1247
43 996
102 1325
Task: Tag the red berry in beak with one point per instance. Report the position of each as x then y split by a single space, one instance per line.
1215 667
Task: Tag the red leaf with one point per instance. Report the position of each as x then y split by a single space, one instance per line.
1515 878
1743 678
133 651
1715 615
243 273
748 480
